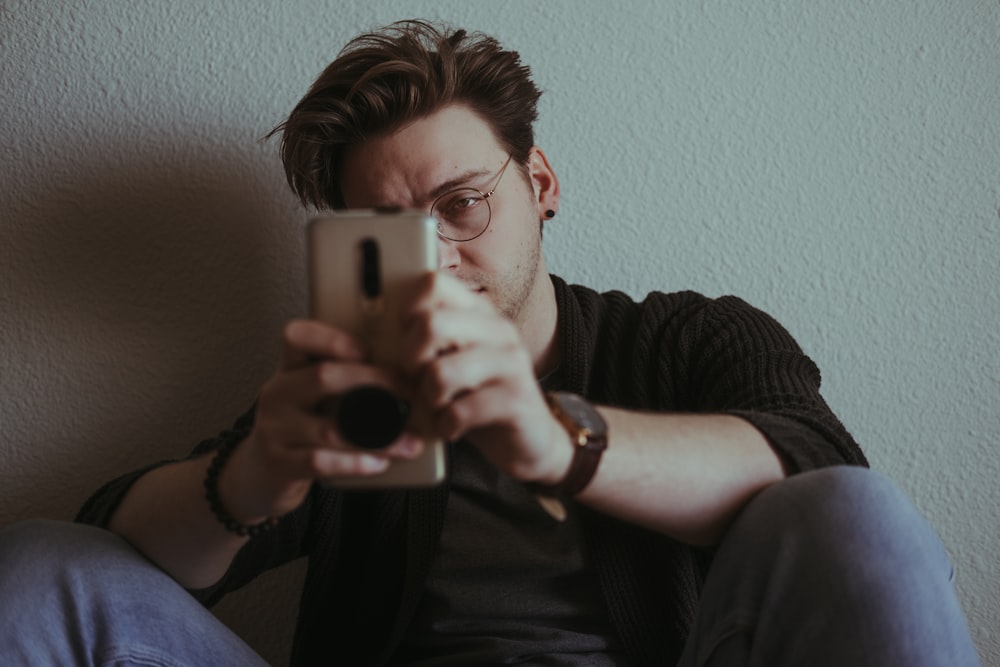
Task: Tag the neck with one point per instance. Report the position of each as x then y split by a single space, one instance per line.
537 323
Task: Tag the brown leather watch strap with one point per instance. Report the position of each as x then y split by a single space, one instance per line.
589 435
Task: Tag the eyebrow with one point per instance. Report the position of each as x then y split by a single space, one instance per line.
460 181
463 180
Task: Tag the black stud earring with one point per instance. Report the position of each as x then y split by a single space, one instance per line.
550 213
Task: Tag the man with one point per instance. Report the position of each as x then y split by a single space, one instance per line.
682 541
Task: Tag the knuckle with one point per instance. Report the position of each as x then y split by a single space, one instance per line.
437 383
448 420
319 373
288 332
438 377
291 333
325 374
317 463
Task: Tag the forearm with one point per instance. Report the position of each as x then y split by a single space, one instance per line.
684 475
166 517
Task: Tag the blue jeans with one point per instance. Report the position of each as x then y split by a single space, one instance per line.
833 567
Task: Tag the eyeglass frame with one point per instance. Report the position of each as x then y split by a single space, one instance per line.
486 197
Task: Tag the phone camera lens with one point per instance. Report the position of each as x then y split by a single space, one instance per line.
368 417
371 280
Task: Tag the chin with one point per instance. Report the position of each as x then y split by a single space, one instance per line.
500 307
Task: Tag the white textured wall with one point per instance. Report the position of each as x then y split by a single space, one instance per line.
836 163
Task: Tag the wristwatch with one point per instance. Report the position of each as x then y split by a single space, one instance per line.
589 434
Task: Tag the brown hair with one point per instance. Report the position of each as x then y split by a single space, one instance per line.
382 80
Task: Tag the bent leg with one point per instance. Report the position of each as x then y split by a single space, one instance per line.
832 567
78 595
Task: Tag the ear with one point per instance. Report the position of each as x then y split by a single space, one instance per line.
544 183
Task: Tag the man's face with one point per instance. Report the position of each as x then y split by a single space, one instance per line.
454 148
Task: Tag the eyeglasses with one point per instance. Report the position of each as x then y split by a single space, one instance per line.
464 214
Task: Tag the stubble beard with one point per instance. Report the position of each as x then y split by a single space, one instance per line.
511 291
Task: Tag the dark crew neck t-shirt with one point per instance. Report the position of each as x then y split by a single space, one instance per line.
509 584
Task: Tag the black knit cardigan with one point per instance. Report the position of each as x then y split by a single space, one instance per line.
369 552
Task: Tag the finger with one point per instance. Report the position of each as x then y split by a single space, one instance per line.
320 432
461 372
440 290
443 331
306 386
306 432
324 463
306 340
408 446
490 406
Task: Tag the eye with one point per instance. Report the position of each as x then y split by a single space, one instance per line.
462 214
460 204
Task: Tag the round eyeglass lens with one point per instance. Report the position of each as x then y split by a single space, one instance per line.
462 215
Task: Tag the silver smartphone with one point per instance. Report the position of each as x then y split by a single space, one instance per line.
361 263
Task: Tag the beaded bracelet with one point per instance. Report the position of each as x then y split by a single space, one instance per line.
215 504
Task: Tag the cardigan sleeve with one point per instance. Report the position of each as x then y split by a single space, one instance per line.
742 362
99 508
266 551
684 352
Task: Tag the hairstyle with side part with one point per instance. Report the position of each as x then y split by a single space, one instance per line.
383 80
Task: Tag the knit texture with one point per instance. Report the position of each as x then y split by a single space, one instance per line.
370 552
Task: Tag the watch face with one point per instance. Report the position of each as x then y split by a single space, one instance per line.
589 434
581 412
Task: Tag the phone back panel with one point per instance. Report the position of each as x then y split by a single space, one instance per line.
406 244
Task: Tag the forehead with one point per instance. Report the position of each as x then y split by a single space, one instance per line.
401 168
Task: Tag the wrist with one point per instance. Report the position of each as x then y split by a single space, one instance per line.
587 434
216 488
559 458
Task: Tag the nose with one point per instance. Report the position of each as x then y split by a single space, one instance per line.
449 256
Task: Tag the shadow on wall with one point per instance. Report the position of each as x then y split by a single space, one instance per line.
143 248
145 301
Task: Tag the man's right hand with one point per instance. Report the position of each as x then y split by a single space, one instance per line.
291 443
165 514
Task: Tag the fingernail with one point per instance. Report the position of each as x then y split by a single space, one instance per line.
409 444
369 463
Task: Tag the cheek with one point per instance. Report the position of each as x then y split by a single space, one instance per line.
508 242
478 257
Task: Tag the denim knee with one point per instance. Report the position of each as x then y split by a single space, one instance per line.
35 544
845 512
75 594
831 567
45 545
